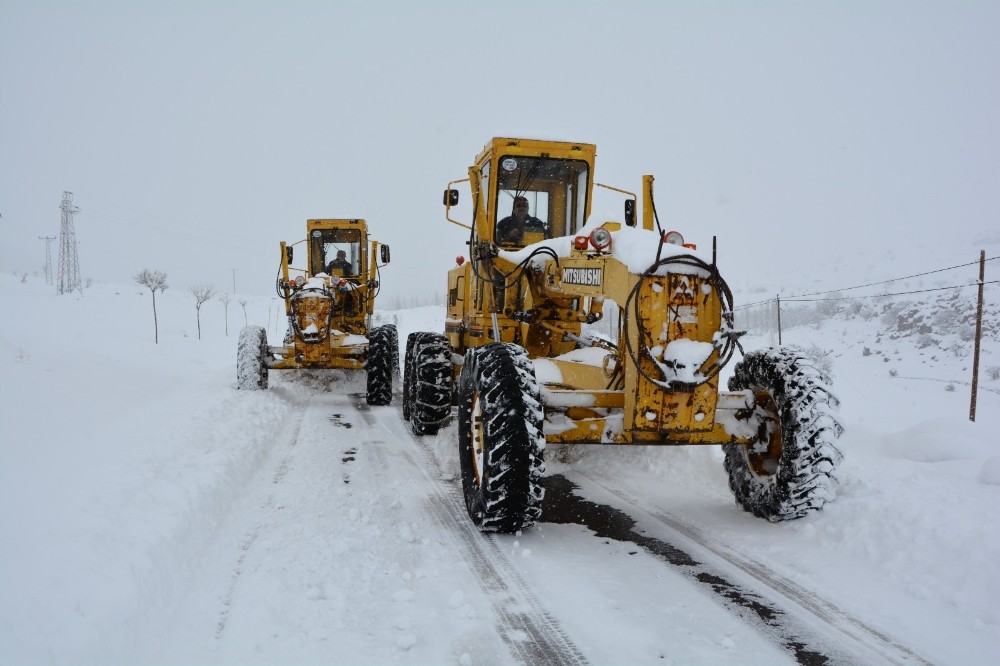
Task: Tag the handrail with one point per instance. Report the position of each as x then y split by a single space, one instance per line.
447 206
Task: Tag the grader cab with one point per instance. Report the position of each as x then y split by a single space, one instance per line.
328 303
528 361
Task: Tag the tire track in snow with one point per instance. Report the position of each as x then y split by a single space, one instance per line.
531 633
251 537
850 629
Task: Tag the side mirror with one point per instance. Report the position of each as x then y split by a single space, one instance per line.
288 253
450 198
384 253
630 212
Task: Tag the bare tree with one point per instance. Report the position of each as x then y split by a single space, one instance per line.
224 297
154 281
243 302
201 293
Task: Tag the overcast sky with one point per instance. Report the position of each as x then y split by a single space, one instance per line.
197 135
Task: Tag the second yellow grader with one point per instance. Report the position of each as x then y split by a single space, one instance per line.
329 302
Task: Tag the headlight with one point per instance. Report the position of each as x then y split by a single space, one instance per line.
673 238
600 239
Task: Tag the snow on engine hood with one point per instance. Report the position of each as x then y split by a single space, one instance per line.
314 287
636 248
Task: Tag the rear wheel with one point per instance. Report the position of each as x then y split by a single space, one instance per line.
428 383
379 365
251 359
500 438
792 468
409 374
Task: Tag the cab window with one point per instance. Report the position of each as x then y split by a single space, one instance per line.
555 191
326 246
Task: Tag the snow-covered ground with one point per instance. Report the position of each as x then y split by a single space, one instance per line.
151 513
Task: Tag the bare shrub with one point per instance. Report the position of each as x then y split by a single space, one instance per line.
224 297
154 281
201 293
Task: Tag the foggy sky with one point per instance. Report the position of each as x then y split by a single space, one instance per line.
197 135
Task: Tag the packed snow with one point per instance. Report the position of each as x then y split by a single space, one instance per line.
152 513
636 248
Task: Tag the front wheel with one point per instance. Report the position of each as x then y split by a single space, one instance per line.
792 468
379 364
251 359
500 438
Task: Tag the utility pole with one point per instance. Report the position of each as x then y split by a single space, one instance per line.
234 279
69 261
777 299
48 257
979 335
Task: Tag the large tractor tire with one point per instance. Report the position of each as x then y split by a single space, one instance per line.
792 468
381 342
500 438
393 335
428 382
251 359
408 374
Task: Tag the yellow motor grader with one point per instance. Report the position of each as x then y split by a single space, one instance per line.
522 359
329 304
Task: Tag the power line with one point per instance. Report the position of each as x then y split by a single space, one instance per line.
874 284
899 293
800 298
203 233
751 305
787 299
204 237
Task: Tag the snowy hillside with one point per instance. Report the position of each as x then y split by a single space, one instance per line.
151 513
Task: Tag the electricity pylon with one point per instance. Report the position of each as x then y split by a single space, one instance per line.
48 257
69 262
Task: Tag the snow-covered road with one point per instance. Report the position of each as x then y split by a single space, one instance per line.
332 551
347 520
153 514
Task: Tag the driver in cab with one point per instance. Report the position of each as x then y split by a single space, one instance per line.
340 266
511 228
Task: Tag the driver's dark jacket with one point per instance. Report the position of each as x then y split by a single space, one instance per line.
343 265
508 231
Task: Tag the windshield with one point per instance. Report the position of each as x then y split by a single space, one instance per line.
538 198
336 252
